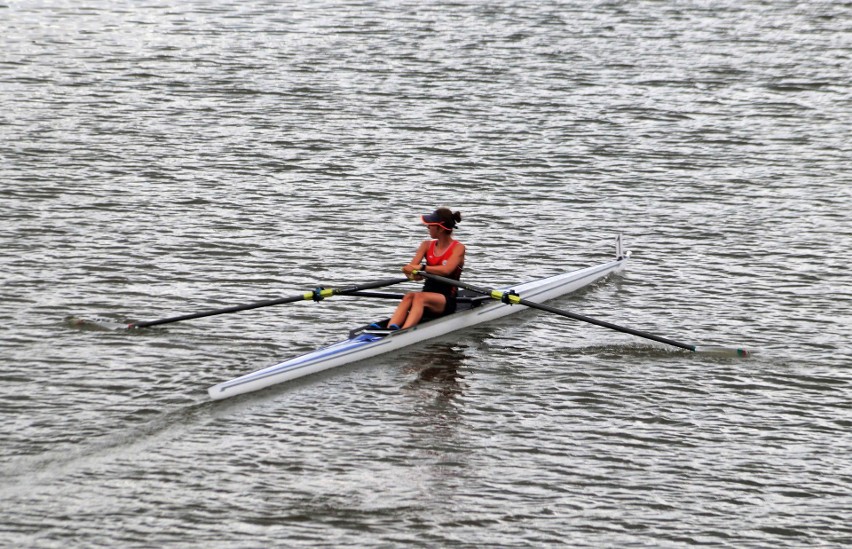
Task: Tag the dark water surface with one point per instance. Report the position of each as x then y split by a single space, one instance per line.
159 159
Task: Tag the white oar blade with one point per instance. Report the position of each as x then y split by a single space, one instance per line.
721 350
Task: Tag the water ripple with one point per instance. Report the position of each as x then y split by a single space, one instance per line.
162 159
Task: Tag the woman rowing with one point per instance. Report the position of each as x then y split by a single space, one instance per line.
444 257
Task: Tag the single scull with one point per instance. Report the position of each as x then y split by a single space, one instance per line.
365 343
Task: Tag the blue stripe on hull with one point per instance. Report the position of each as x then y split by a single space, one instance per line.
342 348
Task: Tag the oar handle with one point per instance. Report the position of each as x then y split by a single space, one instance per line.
316 295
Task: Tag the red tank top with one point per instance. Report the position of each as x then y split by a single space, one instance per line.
447 290
433 260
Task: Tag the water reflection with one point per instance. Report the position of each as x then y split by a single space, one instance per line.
435 428
438 371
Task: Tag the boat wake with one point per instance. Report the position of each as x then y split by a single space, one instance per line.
63 461
97 324
627 349
645 350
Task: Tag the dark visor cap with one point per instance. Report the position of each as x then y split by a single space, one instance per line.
435 219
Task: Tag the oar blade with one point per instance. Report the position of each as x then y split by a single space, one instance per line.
721 350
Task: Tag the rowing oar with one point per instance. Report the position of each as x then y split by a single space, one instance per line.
316 295
511 298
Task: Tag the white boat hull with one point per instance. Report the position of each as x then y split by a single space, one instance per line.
365 345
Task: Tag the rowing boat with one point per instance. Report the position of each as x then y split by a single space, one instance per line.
364 342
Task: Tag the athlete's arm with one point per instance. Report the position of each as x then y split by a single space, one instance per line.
417 259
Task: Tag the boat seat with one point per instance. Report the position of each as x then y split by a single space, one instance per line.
467 299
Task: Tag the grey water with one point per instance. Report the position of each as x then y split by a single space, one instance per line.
163 158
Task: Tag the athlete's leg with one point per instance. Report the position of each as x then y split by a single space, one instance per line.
402 309
421 301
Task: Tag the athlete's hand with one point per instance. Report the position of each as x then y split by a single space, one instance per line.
409 271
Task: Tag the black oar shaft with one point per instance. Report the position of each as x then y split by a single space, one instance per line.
606 324
212 312
513 298
317 294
